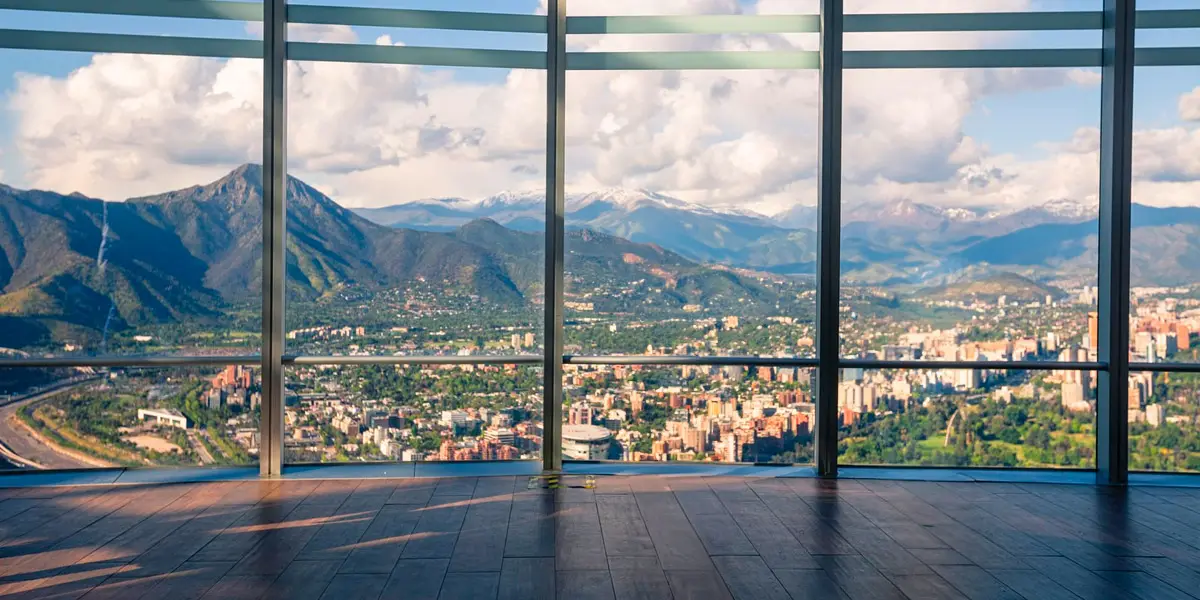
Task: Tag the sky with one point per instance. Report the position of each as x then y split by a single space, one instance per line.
119 126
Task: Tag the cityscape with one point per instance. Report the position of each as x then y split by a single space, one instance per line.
624 298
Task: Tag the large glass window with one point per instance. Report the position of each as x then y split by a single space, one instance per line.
412 413
1165 310
415 209
967 418
128 222
691 194
131 226
690 413
85 417
973 235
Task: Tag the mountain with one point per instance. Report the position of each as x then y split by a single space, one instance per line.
697 232
1165 247
989 289
73 266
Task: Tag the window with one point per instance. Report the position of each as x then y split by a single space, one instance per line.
729 413
413 413
415 207
967 418
691 187
85 417
969 196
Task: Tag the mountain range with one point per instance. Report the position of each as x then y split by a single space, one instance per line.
902 243
72 266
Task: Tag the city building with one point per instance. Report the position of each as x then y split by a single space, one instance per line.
586 442
164 416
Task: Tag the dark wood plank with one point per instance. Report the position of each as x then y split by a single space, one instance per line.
809 583
976 547
676 543
384 541
926 587
413 491
623 529
770 538
145 535
715 526
530 526
456 486
191 581
697 585
524 578
355 586
1078 580
814 533
1032 585
436 533
240 587
579 541
859 578
180 545
940 556
281 545
470 586
975 583
640 584
584 585
1144 586
304 580
480 545
417 579
749 578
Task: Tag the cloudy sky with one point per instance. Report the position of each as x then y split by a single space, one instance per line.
115 126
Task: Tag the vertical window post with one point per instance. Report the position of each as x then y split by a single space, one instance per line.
829 233
552 366
274 175
1116 177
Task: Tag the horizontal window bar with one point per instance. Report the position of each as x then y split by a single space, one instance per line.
970 59
128 361
1166 57
1165 367
618 61
928 365
185 9
417 55
1168 19
1000 21
747 361
416 19
518 359
129 44
695 24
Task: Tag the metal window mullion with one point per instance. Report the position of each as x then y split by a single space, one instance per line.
552 372
829 238
274 174
1116 177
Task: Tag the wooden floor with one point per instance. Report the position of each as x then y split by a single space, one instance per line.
631 537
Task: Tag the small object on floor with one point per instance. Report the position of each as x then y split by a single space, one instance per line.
589 482
550 481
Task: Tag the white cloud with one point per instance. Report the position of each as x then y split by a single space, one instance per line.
380 134
1189 105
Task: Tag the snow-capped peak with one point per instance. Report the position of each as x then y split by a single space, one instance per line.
630 199
1065 208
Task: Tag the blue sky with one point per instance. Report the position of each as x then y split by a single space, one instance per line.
1019 123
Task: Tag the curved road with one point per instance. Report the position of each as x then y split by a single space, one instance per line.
20 442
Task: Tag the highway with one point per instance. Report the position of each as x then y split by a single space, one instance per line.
17 440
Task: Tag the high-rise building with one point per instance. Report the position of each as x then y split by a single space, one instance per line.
1156 414
1093 330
